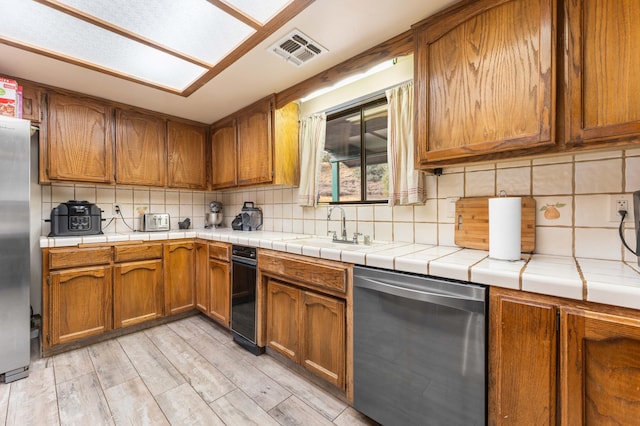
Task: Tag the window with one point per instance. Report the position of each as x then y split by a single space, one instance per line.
356 140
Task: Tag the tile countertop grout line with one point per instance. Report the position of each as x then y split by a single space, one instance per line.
475 264
585 287
438 258
521 274
634 266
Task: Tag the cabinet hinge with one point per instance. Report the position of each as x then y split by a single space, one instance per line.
48 339
49 280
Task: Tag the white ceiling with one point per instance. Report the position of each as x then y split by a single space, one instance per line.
344 27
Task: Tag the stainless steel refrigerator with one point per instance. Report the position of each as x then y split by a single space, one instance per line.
15 315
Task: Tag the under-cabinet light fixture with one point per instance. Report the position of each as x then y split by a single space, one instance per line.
352 79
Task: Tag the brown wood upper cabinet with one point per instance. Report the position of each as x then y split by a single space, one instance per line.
31 103
140 149
79 140
223 151
187 155
603 65
484 80
256 145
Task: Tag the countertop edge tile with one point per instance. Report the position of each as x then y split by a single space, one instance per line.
552 275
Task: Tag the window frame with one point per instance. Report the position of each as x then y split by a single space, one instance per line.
351 109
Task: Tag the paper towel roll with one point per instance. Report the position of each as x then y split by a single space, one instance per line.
505 227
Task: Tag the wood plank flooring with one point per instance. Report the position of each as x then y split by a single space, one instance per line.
188 372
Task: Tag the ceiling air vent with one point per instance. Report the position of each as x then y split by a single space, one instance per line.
297 48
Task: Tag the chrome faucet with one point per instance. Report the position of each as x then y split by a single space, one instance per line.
344 223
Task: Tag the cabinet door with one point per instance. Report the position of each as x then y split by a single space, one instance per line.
602 70
179 277
137 292
187 156
80 303
483 83
522 360
600 368
255 150
140 149
283 319
31 103
79 139
220 291
223 155
323 337
202 277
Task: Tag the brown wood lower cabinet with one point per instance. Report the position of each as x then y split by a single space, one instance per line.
283 319
305 315
202 278
179 276
213 280
600 367
322 336
559 361
79 303
220 291
137 292
522 359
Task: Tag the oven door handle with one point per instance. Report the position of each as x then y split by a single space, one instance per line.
450 300
244 261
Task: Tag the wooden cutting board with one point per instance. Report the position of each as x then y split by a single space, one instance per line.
472 223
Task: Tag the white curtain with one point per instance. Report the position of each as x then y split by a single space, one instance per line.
406 185
312 135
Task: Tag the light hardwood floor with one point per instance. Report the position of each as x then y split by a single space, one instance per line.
188 372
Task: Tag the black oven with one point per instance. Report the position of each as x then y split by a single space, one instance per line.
243 297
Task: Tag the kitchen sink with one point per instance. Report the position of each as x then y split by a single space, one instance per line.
327 242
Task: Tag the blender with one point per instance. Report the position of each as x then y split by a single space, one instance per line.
214 217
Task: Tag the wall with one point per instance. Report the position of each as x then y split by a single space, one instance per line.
132 201
579 187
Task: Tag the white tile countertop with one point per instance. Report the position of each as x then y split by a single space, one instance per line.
604 281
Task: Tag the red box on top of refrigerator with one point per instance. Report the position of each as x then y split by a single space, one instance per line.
8 97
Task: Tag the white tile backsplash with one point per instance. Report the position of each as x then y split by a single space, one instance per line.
480 184
451 185
515 181
554 179
594 177
632 174
576 221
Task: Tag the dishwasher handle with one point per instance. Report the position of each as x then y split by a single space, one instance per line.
451 300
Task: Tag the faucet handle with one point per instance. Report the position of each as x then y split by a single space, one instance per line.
335 235
355 237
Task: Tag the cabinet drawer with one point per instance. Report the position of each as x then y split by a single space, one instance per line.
219 251
313 271
73 256
137 252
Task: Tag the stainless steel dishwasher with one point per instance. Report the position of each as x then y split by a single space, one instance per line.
419 349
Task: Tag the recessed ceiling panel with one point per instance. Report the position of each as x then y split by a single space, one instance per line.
46 29
195 28
260 10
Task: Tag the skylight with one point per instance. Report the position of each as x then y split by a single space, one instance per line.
172 45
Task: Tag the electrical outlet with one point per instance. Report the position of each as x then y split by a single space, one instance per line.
620 202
